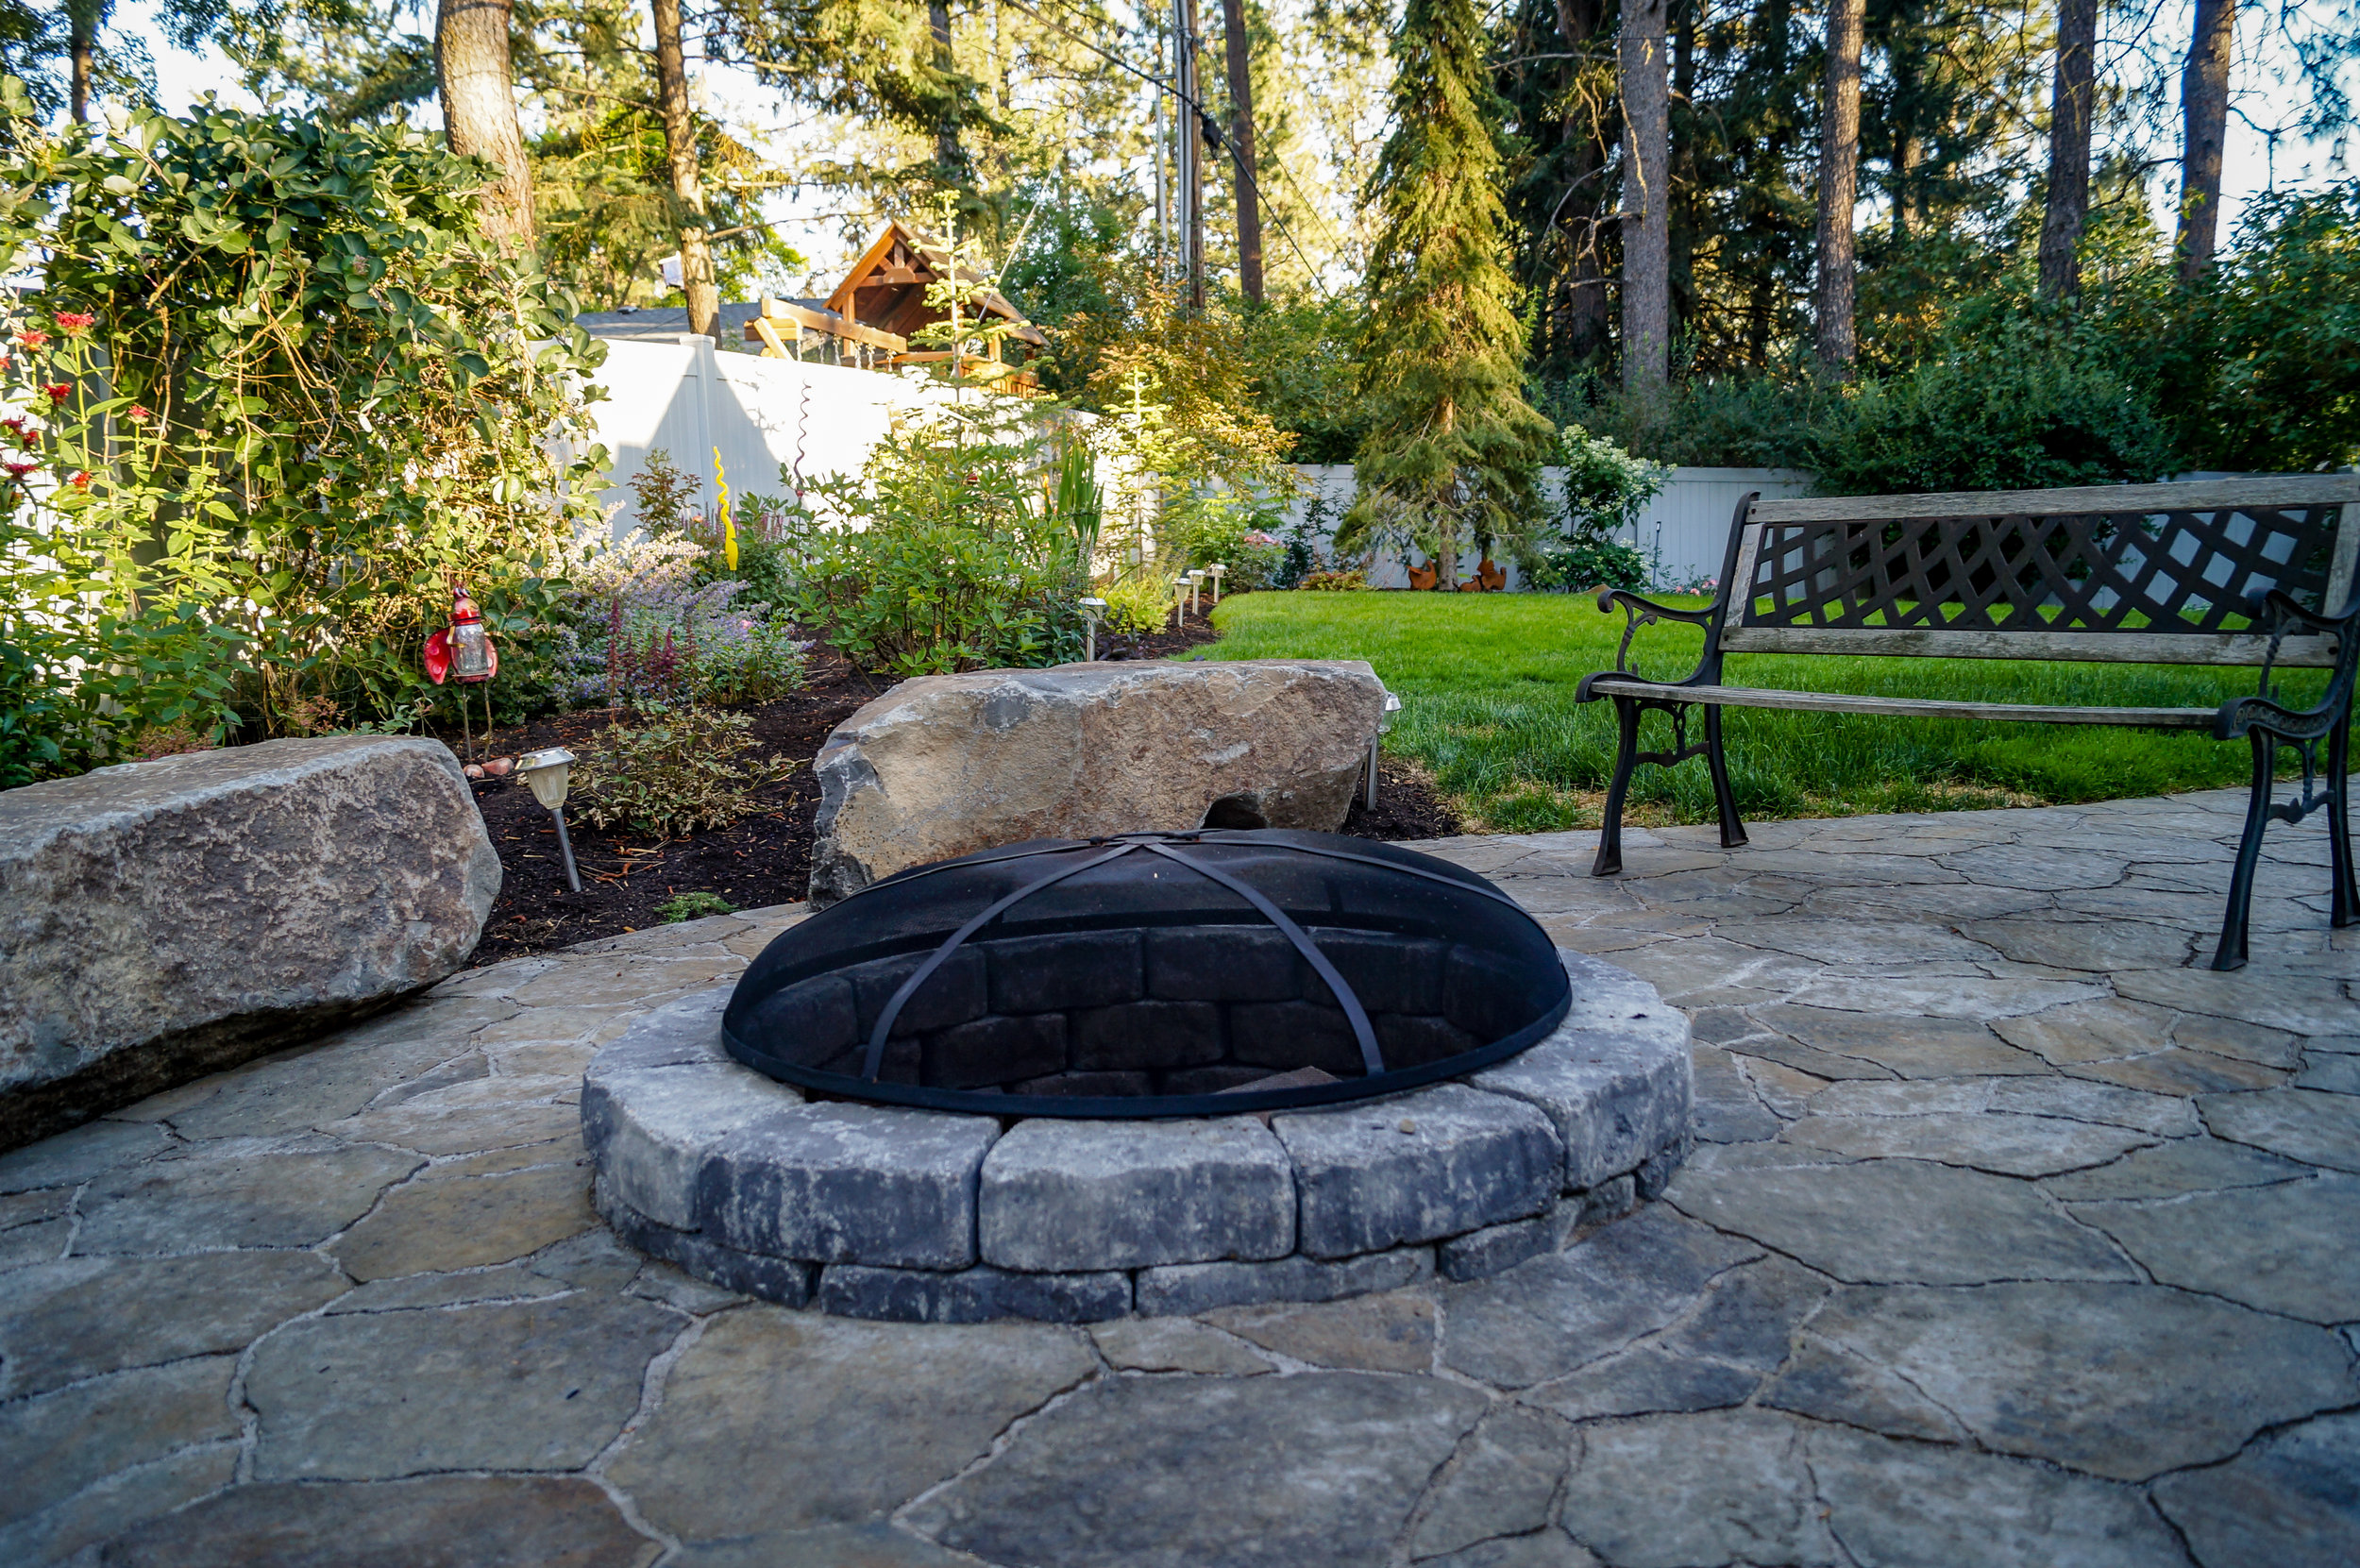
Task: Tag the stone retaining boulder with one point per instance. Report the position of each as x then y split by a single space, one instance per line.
162 920
946 764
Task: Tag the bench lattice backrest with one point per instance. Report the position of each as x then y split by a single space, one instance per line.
2142 573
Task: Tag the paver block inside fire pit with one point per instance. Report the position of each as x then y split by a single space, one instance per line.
1073 1195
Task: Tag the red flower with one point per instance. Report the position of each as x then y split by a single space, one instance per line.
81 480
32 340
60 392
18 470
73 325
16 423
139 413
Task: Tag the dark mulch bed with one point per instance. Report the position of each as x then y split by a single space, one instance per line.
764 859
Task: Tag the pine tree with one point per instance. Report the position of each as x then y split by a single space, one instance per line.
1453 451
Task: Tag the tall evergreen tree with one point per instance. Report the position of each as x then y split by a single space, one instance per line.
1453 451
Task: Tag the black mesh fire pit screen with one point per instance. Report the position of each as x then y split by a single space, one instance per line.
1152 974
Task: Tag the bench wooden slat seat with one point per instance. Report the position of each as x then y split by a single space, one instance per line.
1916 707
2256 572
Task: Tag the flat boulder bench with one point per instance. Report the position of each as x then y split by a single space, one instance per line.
2241 572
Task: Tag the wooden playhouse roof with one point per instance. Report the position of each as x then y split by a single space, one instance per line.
887 287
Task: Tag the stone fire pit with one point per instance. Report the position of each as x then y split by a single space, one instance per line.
820 1194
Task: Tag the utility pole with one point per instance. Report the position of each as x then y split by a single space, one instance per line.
1163 186
1192 153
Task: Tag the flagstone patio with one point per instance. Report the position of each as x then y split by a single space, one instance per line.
2008 1238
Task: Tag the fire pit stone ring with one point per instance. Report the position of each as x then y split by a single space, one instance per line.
892 1211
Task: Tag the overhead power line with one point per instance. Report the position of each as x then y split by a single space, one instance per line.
1205 121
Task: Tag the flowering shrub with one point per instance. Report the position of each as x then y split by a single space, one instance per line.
1347 581
670 642
683 769
273 397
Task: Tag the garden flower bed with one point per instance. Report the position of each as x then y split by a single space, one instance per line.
628 878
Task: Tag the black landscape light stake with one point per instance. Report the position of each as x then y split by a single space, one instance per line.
549 773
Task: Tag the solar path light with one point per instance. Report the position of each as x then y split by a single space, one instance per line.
548 772
1385 722
1215 571
1179 601
1093 611
1196 581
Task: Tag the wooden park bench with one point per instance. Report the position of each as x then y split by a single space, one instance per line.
2256 571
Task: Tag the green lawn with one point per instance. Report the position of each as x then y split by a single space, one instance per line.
1487 686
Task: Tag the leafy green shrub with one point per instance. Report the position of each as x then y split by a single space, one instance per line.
2259 370
2028 416
1137 604
956 562
1343 581
693 907
288 397
1231 527
1590 563
681 770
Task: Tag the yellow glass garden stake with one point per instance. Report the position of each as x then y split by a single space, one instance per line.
729 528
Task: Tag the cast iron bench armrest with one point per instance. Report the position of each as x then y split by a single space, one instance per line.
1639 612
2239 715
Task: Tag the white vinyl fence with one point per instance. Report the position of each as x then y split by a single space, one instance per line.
776 419
1683 534
771 419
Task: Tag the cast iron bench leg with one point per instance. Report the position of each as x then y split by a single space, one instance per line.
2230 955
2346 903
1732 831
1626 757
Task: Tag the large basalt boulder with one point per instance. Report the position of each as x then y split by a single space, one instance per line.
162 920
946 764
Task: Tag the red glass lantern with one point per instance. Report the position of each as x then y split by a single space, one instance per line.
463 650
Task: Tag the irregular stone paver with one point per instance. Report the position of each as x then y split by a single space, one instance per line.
1997 1141
1388 1333
468 1221
1174 1344
2117 1380
60 1442
1148 1473
1502 1481
2170 1169
437 1522
2290 1501
538 1385
2284 1248
1544 1318
66 1321
1852 997
239 1192
1891 1504
786 1420
1903 1220
2305 1124
1671 1492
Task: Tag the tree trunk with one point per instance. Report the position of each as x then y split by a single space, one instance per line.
1646 204
679 145
1684 220
1586 316
2204 115
82 21
2069 111
479 110
1241 147
1839 187
950 158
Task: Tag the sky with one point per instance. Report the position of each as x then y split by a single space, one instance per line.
2249 165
